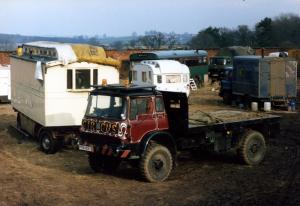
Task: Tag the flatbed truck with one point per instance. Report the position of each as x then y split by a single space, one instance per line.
148 128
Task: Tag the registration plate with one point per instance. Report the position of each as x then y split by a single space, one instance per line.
86 148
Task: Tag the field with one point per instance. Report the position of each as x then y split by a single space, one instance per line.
28 177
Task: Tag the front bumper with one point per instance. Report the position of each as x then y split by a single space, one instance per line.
120 151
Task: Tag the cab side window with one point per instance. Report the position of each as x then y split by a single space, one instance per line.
159 104
140 106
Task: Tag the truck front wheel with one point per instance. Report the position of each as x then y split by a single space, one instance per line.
48 143
252 148
156 164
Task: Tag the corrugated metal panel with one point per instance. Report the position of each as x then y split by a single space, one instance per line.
291 78
264 78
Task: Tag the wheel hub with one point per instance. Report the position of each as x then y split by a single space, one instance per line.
158 164
254 148
46 143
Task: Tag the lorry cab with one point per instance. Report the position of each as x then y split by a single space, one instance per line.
217 65
133 123
226 85
124 114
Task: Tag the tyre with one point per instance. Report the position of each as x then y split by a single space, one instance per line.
95 162
252 148
48 142
227 98
101 163
156 164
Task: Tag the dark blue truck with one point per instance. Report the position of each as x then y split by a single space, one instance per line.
254 78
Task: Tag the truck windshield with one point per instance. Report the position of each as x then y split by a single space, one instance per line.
218 61
105 106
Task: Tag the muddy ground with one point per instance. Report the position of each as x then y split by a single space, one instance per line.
28 177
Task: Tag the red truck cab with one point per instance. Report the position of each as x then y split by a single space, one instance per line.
120 121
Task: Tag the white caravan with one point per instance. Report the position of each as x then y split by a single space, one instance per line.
4 83
49 89
167 75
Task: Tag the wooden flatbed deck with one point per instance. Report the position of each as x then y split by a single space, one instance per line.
224 117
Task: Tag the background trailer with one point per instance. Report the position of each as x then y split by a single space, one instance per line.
4 83
265 79
50 85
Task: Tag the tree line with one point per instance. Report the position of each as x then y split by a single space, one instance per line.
282 31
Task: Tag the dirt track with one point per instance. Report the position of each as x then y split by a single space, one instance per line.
29 178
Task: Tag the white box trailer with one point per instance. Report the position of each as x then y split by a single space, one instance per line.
5 83
50 94
166 75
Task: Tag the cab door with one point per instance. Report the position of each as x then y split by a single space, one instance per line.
161 115
141 117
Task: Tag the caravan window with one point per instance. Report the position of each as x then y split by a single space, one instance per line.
150 75
159 79
69 79
185 78
83 79
144 76
95 77
173 79
134 75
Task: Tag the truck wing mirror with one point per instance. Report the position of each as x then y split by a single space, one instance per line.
123 117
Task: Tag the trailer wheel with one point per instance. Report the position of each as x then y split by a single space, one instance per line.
101 163
252 148
156 164
48 143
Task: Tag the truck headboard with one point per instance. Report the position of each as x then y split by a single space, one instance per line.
176 105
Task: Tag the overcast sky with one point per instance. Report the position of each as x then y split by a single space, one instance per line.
123 17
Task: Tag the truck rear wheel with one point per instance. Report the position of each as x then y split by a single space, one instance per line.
252 148
156 164
101 163
48 142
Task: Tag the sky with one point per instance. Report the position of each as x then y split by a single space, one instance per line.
123 17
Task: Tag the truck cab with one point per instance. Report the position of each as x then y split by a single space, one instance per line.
226 86
216 67
117 114
120 121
